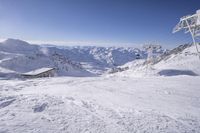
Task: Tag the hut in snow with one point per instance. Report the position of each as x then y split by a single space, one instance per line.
39 73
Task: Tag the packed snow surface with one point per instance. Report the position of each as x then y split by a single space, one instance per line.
101 105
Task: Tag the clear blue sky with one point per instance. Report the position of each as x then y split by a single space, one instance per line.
113 21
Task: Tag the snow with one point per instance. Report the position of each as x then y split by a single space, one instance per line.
38 71
184 62
21 57
163 96
101 104
187 60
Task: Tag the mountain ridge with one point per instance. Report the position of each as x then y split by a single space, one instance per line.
20 56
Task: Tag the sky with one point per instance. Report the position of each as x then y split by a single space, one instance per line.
95 22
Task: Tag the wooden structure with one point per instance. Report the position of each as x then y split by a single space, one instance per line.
39 73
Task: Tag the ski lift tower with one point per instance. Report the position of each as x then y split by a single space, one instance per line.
151 52
190 23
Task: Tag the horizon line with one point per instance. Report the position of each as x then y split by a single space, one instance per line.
86 43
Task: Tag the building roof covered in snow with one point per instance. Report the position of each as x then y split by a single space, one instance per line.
38 71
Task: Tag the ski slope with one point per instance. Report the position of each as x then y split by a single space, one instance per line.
101 105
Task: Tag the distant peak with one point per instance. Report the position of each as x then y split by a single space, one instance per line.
15 41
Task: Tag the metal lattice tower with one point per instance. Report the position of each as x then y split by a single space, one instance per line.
190 23
151 50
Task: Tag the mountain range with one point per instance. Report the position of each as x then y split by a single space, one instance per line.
17 56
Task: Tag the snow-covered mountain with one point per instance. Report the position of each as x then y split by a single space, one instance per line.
182 60
18 56
100 59
122 102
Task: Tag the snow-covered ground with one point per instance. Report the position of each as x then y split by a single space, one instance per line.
101 104
177 62
163 96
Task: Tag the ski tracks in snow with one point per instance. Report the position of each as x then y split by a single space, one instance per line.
42 112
